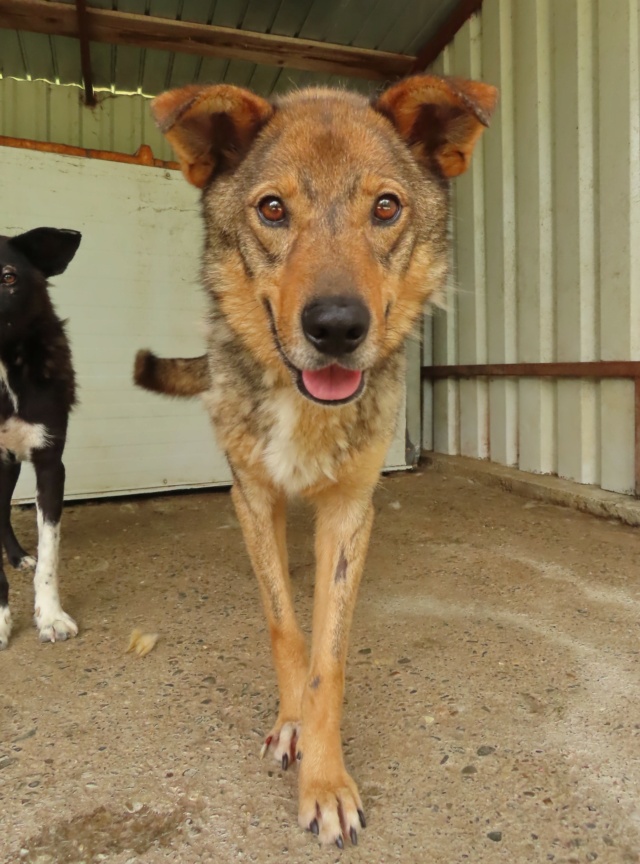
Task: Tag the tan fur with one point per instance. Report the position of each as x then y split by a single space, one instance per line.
172 376
328 156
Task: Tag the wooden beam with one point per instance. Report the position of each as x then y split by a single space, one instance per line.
165 34
85 52
434 47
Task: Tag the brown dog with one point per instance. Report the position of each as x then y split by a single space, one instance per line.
326 230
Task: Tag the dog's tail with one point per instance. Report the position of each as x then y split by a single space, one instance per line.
173 376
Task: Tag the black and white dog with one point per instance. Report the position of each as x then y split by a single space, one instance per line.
37 392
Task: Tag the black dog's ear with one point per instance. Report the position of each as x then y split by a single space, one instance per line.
48 249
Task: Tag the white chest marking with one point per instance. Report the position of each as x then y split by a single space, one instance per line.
4 383
21 437
293 462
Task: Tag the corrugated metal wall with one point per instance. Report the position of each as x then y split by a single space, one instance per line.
51 112
547 242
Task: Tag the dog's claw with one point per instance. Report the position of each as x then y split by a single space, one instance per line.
363 821
314 827
265 746
354 836
285 762
340 843
299 755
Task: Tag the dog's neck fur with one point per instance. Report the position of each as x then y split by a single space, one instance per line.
39 353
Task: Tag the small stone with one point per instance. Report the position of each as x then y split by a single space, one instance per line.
8 760
24 737
469 769
364 651
496 836
485 750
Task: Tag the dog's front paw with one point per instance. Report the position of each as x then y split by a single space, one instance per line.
330 805
282 742
25 562
5 627
56 627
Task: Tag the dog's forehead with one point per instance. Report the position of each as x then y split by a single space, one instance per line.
324 134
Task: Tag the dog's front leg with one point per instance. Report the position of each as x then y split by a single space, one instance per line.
262 515
54 625
330 804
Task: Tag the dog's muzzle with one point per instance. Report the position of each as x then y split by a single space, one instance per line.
335 326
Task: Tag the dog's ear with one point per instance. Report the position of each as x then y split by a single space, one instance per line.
209 128
441 119
48 249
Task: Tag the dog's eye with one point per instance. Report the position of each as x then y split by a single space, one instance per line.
272 210
9 278
387 208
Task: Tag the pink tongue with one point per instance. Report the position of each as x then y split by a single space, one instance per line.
332 383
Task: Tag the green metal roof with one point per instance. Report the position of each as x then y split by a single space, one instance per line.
396 26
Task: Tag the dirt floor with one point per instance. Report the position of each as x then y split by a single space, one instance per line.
492 709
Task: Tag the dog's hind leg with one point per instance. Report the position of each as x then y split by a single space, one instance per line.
330 804
54 625
18 558
261 512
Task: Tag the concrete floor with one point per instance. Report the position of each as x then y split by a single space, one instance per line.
492 711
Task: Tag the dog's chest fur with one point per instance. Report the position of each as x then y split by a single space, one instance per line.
266 423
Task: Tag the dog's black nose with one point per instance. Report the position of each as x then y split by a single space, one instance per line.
336 325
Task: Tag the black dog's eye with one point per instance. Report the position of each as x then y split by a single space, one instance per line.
272 210
9 278
387 209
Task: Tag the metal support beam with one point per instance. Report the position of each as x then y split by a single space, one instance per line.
460 15
85 52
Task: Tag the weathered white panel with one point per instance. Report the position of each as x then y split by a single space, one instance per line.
617 425
446 412
133 283
574 250
500 231
49 112
619 167
534 220
561 235
470 268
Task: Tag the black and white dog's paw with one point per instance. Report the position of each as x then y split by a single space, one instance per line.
55 625
27 562
5 627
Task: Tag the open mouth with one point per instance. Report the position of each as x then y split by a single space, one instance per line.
333 385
